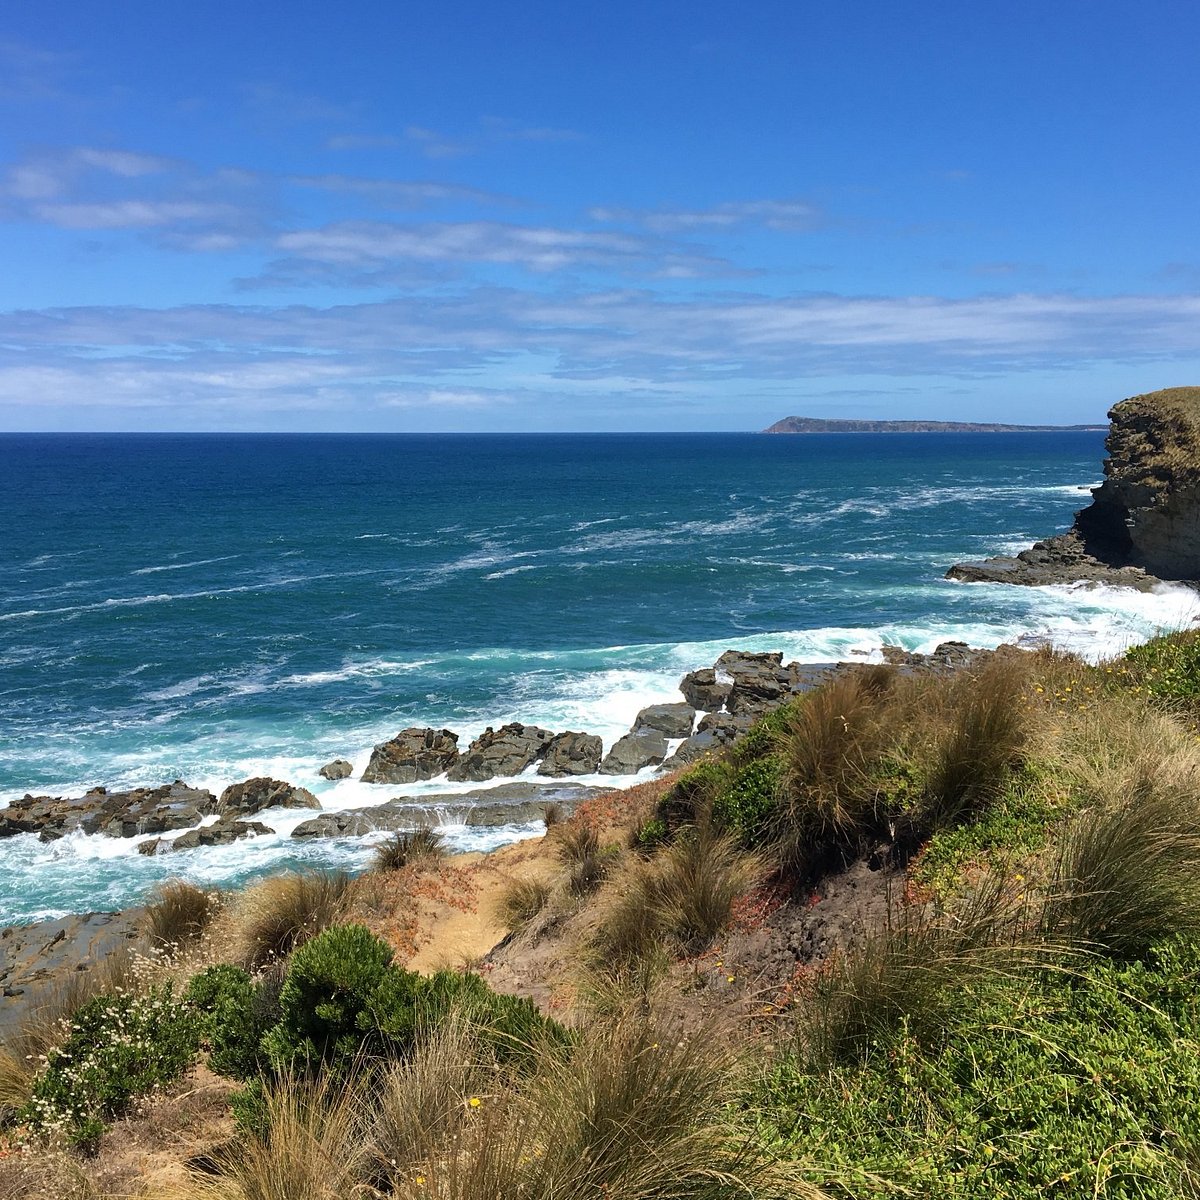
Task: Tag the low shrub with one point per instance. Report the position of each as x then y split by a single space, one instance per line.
745 806
178 914
692 794
648 835
423 844
1168 667
237 1011
120 1046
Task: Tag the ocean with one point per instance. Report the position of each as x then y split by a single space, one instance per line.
215 607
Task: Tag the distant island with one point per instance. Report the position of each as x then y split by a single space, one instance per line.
822 425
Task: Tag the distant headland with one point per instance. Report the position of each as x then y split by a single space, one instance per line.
822 425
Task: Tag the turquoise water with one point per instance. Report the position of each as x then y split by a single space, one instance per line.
214 607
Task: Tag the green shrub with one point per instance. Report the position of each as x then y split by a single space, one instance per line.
1169 667
119 1047
762 738
648 835
745 806
330 983
692 793
237 1012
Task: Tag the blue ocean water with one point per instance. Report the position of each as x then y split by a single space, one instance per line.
214 607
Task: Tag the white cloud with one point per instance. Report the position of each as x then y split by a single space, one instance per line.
782 216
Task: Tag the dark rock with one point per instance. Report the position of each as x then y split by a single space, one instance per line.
633 752
948 656
571 754
671 720
508 804
702 690
338 769
253 795
117 814
412 755
150 846
504 751
222 833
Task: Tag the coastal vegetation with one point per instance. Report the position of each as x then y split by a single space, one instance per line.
918 932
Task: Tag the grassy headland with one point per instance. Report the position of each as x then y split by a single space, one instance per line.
916 934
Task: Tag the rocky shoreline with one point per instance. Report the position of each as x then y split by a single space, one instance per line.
1143 525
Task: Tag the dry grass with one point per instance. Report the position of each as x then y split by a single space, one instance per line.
43 1175
178 914
682 898
577 845
267 921
410 848
522 900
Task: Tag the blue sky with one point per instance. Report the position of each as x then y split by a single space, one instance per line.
629 216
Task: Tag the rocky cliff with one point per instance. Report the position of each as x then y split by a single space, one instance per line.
1144 520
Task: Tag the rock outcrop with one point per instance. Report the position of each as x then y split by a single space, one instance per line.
629 754
571 754
1143 524
221 833
253 795
340 768
117 814
412 755
504 751
508 804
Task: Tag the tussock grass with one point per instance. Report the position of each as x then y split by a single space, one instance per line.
914 974
312 1149
178 914
1128 873
522 900
986 726
553 814
271 918
637 1111
681 898
578 847
44 1175
424 844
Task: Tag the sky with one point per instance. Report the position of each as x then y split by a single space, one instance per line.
650 216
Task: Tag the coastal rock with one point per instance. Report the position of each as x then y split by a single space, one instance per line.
571 754
703 691
1143 524
221 833
762 682
634 751
508 804
116 814
253 795
504 751
671 720
946 656
338 769
412 755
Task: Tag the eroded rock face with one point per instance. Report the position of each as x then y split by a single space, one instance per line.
253 795
116 814
412 755
1144 520
338 769
571 754
703 691
504 751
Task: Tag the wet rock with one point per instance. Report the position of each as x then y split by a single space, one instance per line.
947 656
222 833
508 804
412 755
338 769
633 752
571 754
703 691
116 814
504 751
253 795
671 720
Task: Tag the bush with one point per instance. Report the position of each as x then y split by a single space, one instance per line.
179 913
648 835
119 1047
745 806
1168 667
275 916
237 1012
413 846
692 794
330 984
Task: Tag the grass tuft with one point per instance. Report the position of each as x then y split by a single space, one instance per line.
522 900
423 844
273 917
178 914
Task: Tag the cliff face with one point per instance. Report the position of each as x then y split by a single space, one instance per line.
1147 511
1144 520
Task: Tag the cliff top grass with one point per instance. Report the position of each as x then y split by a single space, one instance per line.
1156 437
